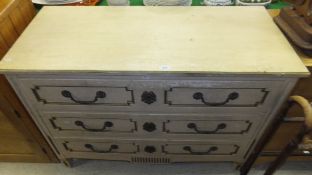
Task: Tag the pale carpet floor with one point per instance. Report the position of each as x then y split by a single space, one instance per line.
93 167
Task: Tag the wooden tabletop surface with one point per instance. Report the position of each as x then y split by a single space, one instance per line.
220 40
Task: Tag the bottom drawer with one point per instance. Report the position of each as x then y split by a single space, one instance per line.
153 151
200 149
101 147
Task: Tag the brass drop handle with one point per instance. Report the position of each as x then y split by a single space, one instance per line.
111 148
98 95
194 127
106 125
200 96
211 149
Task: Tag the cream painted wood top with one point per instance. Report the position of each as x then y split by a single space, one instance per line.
221 40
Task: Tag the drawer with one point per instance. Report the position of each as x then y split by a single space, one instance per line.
216 97
98 149
208 126
201 149
112 149
101 147
82 95
168 150
151 94
132 125
90 124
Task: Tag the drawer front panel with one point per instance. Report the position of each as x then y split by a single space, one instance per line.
216 97
201 149
89 125
101 147
119 96
110 125
171 150
151 94
208 126
92 124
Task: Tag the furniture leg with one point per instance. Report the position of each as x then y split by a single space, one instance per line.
68 162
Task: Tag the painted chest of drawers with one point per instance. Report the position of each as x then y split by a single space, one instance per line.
153 84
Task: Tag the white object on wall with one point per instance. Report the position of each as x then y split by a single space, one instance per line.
54 2
253 2
167 2
218 2
118 2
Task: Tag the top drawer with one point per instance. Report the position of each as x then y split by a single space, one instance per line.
82 95
216 97
152 94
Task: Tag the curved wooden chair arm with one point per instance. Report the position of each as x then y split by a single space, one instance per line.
306 107
307 111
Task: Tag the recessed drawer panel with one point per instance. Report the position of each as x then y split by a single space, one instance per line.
78 95
131 125
88 124
93 124
153 151
201 149
208 126
101 147
151 94
216 97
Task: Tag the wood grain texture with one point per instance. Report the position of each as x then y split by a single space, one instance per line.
8 32
18 20
24 123
12 141
27 10
6 6
154 39
20 139
18 142
3 47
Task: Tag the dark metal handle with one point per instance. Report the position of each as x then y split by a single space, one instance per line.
106 125
194 127
200 96
99 94
112 147
211 149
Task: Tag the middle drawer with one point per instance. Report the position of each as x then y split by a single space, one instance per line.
145 125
